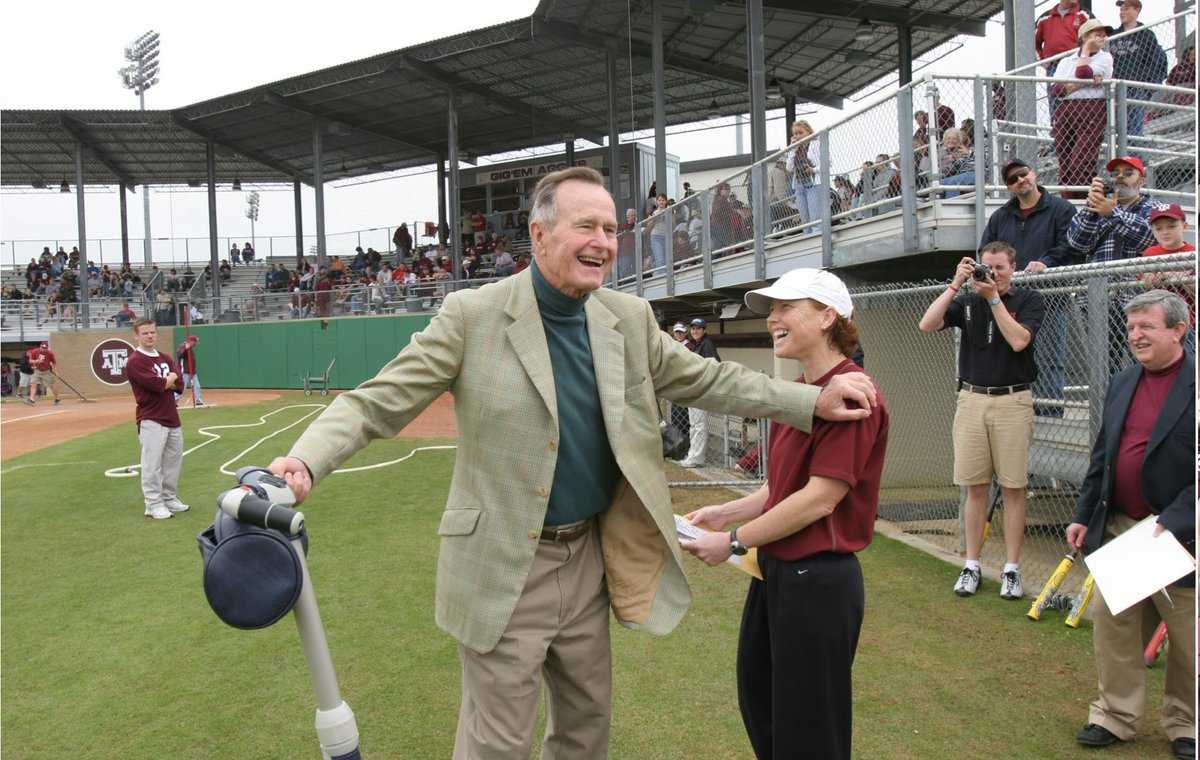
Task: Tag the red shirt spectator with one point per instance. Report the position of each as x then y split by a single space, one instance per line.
1058 29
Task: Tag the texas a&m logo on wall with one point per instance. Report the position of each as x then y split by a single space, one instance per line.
108 361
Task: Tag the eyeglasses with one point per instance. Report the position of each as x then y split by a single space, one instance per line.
1123 173
1016 177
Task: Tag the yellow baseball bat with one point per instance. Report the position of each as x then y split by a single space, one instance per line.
1056 578
1080 604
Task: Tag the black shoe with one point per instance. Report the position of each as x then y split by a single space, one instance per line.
1184 748
1093 735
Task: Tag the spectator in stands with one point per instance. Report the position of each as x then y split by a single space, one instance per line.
173 283
95 288
626 264
944 116
522 263
920 142
123 316
1142 468
403 241
69 293
957 161
1112 228
723 218
967 132
324 287
247 253
1057 32
1169 223
359 263
658 226
300 304
681 249
779 194
841 197
189 277
338 267
1036 223
803 166
876 178
687 190
226 272
164 309
993 422
1184 75
1137 57
235 255
503 263
1082 114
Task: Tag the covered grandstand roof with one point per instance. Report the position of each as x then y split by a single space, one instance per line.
526 83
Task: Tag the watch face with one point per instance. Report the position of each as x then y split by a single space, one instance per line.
739 549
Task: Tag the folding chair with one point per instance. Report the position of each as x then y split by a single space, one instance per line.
318 381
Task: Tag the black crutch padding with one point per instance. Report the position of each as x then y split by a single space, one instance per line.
251 582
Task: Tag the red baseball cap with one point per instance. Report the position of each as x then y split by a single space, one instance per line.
1172 210
1133 161
45 344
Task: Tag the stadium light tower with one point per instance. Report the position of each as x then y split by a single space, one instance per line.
252 214
140 75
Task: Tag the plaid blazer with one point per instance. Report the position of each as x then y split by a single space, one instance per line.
488 347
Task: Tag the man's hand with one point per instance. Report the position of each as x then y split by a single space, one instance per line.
710 517
713 548
843 392
295 473
1097 201
1035 266
171 378
985 288
1076 532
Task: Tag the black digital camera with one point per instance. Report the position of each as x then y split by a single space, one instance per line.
982 272
1109 188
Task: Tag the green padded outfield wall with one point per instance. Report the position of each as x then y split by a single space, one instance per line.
278 354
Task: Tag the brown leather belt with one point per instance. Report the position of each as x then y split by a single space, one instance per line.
994 390
567 532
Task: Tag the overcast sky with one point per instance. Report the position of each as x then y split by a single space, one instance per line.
66 53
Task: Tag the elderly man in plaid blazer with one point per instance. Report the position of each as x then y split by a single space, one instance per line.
558 507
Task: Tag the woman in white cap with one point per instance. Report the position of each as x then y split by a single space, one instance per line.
801 622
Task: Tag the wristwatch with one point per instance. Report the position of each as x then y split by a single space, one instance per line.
735 546
995 301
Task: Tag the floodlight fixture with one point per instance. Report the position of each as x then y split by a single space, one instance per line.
774 90
237 185
865 32
714 110
65 187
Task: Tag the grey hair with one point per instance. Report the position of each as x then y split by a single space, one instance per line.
953 131
545 193
1175 309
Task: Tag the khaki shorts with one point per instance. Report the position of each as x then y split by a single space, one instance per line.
24 381
44 377
992 436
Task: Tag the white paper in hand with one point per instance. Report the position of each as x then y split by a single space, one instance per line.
1137 563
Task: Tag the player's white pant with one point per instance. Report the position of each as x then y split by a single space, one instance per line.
698 429
162 457
194 381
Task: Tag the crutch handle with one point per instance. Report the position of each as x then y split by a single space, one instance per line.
249 504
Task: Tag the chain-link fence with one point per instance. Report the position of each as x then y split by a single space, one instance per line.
1081 343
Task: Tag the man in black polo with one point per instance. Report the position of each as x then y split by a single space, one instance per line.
993 424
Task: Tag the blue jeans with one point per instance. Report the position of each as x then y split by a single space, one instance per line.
966 178
808 199
1048 348
1135 118
658 252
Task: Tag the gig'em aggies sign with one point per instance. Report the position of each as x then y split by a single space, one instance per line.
108 361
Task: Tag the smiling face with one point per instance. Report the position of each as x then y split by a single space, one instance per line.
1128 13
798 327
576 254
1097 36
1154 344
1024 185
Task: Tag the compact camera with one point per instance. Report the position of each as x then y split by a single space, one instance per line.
1109 188
982 272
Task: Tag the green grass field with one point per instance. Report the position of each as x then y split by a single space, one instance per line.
109 649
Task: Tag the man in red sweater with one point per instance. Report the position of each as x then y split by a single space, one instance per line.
154 379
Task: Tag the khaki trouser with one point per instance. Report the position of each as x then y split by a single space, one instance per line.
1119 643
559 631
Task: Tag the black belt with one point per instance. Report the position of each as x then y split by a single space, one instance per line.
567 532
993 390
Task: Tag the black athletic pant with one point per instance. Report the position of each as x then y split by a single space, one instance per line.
799 633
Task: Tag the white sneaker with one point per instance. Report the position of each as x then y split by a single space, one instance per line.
158 512
1010 585
177 506
968 582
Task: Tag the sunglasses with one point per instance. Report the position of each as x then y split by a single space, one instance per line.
1123 173
1015 177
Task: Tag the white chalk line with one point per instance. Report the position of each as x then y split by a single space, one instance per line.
134 470
43 464
35 416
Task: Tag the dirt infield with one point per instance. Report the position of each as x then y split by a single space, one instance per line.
29 428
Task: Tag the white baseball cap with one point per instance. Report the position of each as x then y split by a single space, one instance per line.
816 284
678 327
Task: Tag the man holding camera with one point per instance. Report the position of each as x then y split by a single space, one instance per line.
993 423
1115 224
